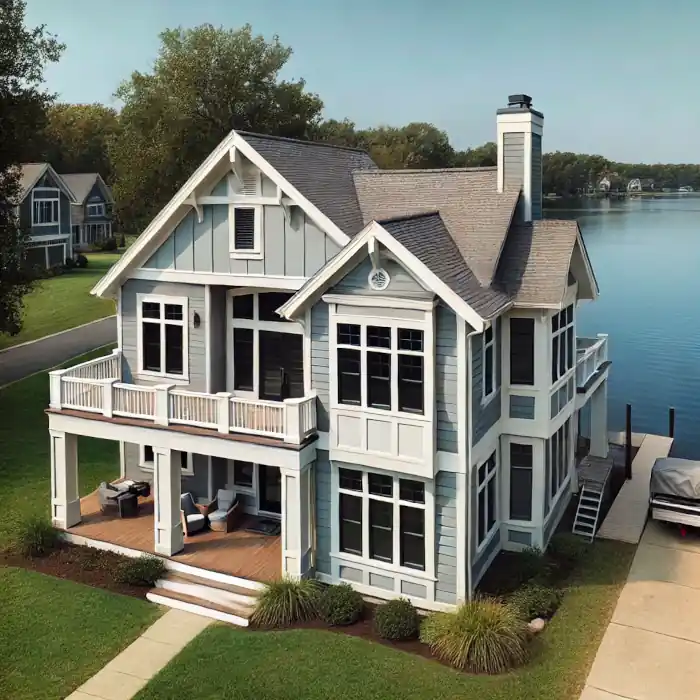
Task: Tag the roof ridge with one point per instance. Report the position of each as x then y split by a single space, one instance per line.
406 217
305 142
417 171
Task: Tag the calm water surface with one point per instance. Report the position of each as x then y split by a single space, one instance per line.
646 256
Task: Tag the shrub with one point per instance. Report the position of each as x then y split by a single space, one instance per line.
141 571
536 600
533 565
81 261
567 549
34 537
70 263
396 619
285 602
482 636
109 244
340 605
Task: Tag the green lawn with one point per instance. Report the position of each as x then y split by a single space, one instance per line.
24 458
62 302
226 662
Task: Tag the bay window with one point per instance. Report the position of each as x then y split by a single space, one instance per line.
162 335
488 363
520 481
563 342
487 499
522 351
382 518
557 452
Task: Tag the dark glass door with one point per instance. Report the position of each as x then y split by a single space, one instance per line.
281 366
269 489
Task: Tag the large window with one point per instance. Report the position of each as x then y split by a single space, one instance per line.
562 342
522 351
45 211
393 360
520 481
488 363
96 209
162 336
486 500
382 518
147 460
557 462
245 231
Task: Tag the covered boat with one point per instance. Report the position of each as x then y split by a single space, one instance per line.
674 491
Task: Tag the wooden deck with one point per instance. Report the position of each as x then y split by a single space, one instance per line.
594 470
244 554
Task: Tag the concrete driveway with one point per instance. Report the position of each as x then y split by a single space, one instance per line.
38 355
651 649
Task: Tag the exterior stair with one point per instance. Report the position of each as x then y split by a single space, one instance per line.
202 596
588 511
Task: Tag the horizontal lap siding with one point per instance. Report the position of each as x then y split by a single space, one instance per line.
322 471
446 537
446 379
536 182
513 159
319 363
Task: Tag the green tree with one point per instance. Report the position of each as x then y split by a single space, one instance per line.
205 82
479 157
23 104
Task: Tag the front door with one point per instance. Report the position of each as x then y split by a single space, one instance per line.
281 366
269 489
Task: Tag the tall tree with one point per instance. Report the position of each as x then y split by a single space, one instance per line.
24 53
205 82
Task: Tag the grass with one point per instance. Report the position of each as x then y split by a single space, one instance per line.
313 664
55 634
25 460
63 302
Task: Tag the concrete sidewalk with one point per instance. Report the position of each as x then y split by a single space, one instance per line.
128 672
44 353
651 649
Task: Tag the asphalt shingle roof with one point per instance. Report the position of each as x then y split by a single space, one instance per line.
80 184
30 173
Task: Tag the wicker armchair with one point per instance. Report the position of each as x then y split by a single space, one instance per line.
224 512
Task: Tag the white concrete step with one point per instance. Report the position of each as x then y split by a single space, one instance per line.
233 614
208 590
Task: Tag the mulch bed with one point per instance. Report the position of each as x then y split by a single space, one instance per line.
92 567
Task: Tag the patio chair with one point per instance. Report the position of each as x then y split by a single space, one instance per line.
193 520
224 511
108 494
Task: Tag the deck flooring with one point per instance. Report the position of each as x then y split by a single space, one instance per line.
244 554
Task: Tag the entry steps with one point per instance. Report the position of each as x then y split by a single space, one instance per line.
202 596
588 511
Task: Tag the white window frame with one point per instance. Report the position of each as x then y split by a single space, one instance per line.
250 490
162 300
563 468
395 323
55 198
490 475
488 345
561 333
148 466
256 326
99 207
429 523
256 252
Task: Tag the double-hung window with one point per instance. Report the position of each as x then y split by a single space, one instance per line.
392 361
563 341
487 499
162 339
96 209
558 448
488 363
45 206
382 518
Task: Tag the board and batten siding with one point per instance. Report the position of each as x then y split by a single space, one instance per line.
297 248
446 378
402 283
445 537
196 337
320 380
536 180
322 474
485 416
217 336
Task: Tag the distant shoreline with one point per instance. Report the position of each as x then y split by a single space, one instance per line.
621 195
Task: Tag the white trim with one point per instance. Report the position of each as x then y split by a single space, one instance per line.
162 322
56 199
587 263
122 461
291 284
383 302
560 333
491 475
58 179
120 320
256 252
374 230
100 206
195 609
177 206
147 466
488 345
208 340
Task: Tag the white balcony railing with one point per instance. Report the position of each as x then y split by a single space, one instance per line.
590 354
96 387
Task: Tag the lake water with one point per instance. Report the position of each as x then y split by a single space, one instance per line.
646 257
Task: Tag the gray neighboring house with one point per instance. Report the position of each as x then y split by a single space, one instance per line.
45 211
91 210
385 363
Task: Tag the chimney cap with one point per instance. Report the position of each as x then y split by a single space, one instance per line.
520 100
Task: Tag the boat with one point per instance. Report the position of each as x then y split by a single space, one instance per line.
674 491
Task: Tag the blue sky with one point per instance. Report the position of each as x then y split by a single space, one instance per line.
614 78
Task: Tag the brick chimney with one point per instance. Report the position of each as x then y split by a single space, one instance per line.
520 152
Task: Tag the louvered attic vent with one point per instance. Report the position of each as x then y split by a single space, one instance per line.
244 233
250 183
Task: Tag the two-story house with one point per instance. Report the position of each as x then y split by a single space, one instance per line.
44 208
91 210
386 362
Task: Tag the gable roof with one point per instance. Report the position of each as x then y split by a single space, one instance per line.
82 183
31 173
322 172
476 215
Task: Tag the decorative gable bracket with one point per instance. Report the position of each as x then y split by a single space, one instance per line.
236 170
196 205
286 205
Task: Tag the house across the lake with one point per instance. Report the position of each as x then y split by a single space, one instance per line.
326 369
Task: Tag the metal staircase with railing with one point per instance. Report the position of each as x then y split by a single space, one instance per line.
588 510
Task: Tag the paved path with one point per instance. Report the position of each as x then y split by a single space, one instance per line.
651 649
128 672
29 358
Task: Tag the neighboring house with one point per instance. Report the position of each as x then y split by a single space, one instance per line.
604 185
645 184
45 211
91 210
386 362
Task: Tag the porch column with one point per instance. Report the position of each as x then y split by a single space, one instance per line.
296 519
166 517
65 498
599 421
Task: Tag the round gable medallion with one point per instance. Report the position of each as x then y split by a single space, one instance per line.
379 279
